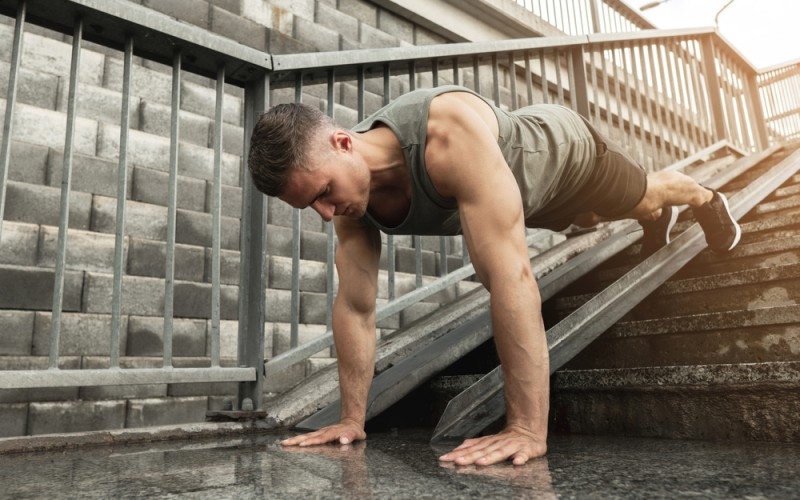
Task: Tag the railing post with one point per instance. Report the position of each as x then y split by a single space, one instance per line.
596 28
580 92
713 87
253 246
757 120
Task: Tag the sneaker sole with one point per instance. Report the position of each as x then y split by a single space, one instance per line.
735 223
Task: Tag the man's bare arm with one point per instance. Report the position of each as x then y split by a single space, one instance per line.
353 329
465 163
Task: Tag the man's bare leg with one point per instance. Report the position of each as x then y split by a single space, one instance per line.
671 188
664 188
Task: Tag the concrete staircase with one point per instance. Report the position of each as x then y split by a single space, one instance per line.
30 228
714 353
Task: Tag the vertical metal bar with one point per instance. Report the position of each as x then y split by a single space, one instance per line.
727 102
412 76
639 89
456 75
656 103
495 80
390 254
294 309
571 80
606 93
252 270
681 78
559 83
714 98
680 129
11 101
593 79
628 99
543 75
172 197
330 258
757 106
744 114
512 74
746 123
651 128
216 218
562 22
748 126
442 255
580 94
784 93
687 111
528 78
701 103
569 20
476 74
668 109
442 241
66 182
596 28
122 191
620 119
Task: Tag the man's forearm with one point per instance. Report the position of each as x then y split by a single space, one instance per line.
522 347
354 336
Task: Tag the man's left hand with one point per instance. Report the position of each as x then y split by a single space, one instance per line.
513 442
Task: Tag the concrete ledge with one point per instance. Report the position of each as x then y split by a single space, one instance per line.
674 376
730 402
49 442
705 322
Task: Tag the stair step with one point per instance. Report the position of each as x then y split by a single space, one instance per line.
754 401
747 336
748 289
750 253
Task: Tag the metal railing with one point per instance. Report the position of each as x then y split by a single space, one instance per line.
159 38
584 17
779 89
664 95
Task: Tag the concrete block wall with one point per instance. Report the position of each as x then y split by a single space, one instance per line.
30 228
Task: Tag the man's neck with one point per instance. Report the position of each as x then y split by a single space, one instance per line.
384 157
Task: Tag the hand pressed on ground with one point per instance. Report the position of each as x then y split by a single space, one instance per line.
345 432
515 443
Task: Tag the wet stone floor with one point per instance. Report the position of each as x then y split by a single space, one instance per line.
402 464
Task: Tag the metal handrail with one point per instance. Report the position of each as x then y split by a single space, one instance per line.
304 351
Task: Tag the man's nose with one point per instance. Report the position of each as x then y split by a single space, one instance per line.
325 210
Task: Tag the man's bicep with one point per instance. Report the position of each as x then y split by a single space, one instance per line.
357 258
494 231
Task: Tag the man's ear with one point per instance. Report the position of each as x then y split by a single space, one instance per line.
341 141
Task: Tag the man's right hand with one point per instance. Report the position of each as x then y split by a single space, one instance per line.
345 432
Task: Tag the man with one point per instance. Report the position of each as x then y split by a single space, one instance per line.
444 161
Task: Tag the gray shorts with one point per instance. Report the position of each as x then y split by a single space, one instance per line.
617 184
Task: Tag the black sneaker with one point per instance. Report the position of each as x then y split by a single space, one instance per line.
656 232
722 231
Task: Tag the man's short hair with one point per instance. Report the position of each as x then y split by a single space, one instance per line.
280 143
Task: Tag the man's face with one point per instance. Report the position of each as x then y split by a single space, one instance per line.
334 182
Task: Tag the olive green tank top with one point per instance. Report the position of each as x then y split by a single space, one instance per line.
547 147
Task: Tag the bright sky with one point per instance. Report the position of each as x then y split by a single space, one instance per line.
766 32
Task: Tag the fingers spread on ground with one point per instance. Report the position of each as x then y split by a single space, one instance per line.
520 459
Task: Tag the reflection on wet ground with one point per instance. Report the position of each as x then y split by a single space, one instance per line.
404 465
